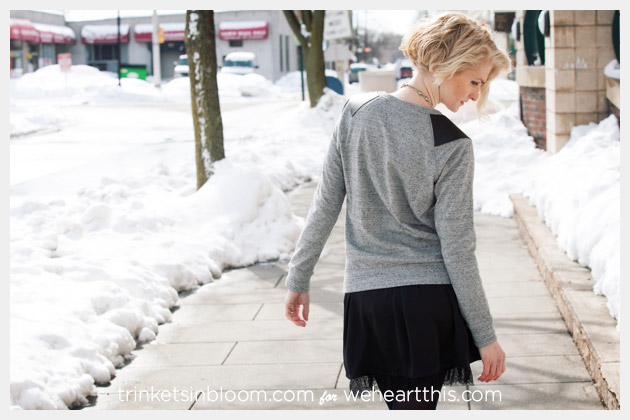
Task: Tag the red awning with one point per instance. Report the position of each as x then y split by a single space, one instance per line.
104 34
243 30
55 34
23 30
173 32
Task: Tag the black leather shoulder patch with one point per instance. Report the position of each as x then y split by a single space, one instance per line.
444 130
358 101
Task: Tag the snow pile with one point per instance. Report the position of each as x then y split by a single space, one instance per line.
289 147
82 84
96 271
86 84
504 90
235 86
291 82
505 156
38 99
577 192
612 69
92 276
30 118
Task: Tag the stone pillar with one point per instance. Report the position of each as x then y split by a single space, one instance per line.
577 50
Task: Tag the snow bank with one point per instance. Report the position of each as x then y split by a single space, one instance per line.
96 272
504 157
83 84
86 84
38 99
577 193
93 276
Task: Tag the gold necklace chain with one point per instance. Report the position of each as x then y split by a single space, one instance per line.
419 92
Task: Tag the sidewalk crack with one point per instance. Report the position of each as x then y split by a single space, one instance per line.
279 280
338 375
230 352
258 311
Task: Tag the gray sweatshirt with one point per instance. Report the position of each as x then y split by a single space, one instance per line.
406 172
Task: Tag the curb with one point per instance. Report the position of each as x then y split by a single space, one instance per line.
585 314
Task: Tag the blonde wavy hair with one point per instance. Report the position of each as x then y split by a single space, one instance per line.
452 42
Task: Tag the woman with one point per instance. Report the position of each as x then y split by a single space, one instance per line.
415 312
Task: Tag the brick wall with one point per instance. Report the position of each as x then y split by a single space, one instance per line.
533 114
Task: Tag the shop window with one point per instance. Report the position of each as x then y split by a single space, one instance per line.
236 42
615 34
47 55
101 52
533 39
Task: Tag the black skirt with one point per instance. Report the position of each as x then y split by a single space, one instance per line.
406 331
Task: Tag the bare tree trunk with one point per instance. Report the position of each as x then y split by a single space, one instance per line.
204 91
312 46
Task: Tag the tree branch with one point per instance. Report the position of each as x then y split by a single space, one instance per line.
295 26
307 18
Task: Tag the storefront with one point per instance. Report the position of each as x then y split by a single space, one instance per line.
265 33
101 42
172 47
35 45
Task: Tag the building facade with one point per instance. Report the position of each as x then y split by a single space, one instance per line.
266 33
35 40
561 62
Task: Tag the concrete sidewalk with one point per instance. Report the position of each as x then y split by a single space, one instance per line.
232 335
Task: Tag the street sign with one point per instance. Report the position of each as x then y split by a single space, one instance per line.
337 52
337 25
65 61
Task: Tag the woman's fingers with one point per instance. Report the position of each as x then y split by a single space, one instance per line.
305 311
292 304
493 372
485 372
493 358
292 312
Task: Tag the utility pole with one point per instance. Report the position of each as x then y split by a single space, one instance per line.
157 69
118 22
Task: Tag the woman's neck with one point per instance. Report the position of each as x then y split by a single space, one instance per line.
422 81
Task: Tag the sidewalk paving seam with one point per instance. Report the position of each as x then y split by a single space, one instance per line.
279 280
229 352
258 311
338 376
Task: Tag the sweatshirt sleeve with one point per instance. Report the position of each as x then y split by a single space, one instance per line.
321 218
454 222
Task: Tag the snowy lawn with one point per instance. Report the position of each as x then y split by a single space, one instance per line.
106 225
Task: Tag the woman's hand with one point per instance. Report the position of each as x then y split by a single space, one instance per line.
493 359
292 307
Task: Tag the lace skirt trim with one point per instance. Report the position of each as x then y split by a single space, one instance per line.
454 376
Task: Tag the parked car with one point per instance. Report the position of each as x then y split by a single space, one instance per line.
406 70
355 68
239 63
181 66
